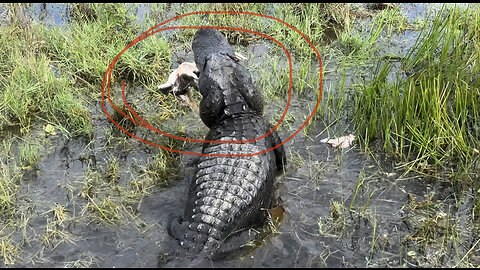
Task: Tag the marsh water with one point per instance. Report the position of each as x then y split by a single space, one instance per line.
343 207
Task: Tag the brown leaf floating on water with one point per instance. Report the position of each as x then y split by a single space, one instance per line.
277 213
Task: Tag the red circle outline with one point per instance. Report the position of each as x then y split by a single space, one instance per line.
147 125
146 34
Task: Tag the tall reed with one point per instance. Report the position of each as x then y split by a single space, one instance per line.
430 117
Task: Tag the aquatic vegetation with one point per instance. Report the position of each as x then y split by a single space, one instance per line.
106 200
161 168
29 153
295 160
394 20
8 251
106 211
430 117
355 52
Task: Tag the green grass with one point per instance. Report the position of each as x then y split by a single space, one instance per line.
30 87
51 75
87 47
313 27
8 251
429 118
394 20
29 152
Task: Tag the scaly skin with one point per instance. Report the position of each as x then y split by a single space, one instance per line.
227 194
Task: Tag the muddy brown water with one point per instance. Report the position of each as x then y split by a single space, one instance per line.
319 228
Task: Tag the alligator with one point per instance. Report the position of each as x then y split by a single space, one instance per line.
227 194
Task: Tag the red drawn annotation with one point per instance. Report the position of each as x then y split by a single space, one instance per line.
151 31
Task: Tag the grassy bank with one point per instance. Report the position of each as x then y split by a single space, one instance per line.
53 73
50 82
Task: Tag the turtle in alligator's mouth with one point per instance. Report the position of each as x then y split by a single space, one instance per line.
179 83
184 77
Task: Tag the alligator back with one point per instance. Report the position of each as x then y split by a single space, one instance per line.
228 194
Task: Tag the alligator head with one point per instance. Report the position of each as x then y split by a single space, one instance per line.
207 44
225 85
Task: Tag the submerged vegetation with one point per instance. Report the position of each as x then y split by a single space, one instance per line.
68 175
